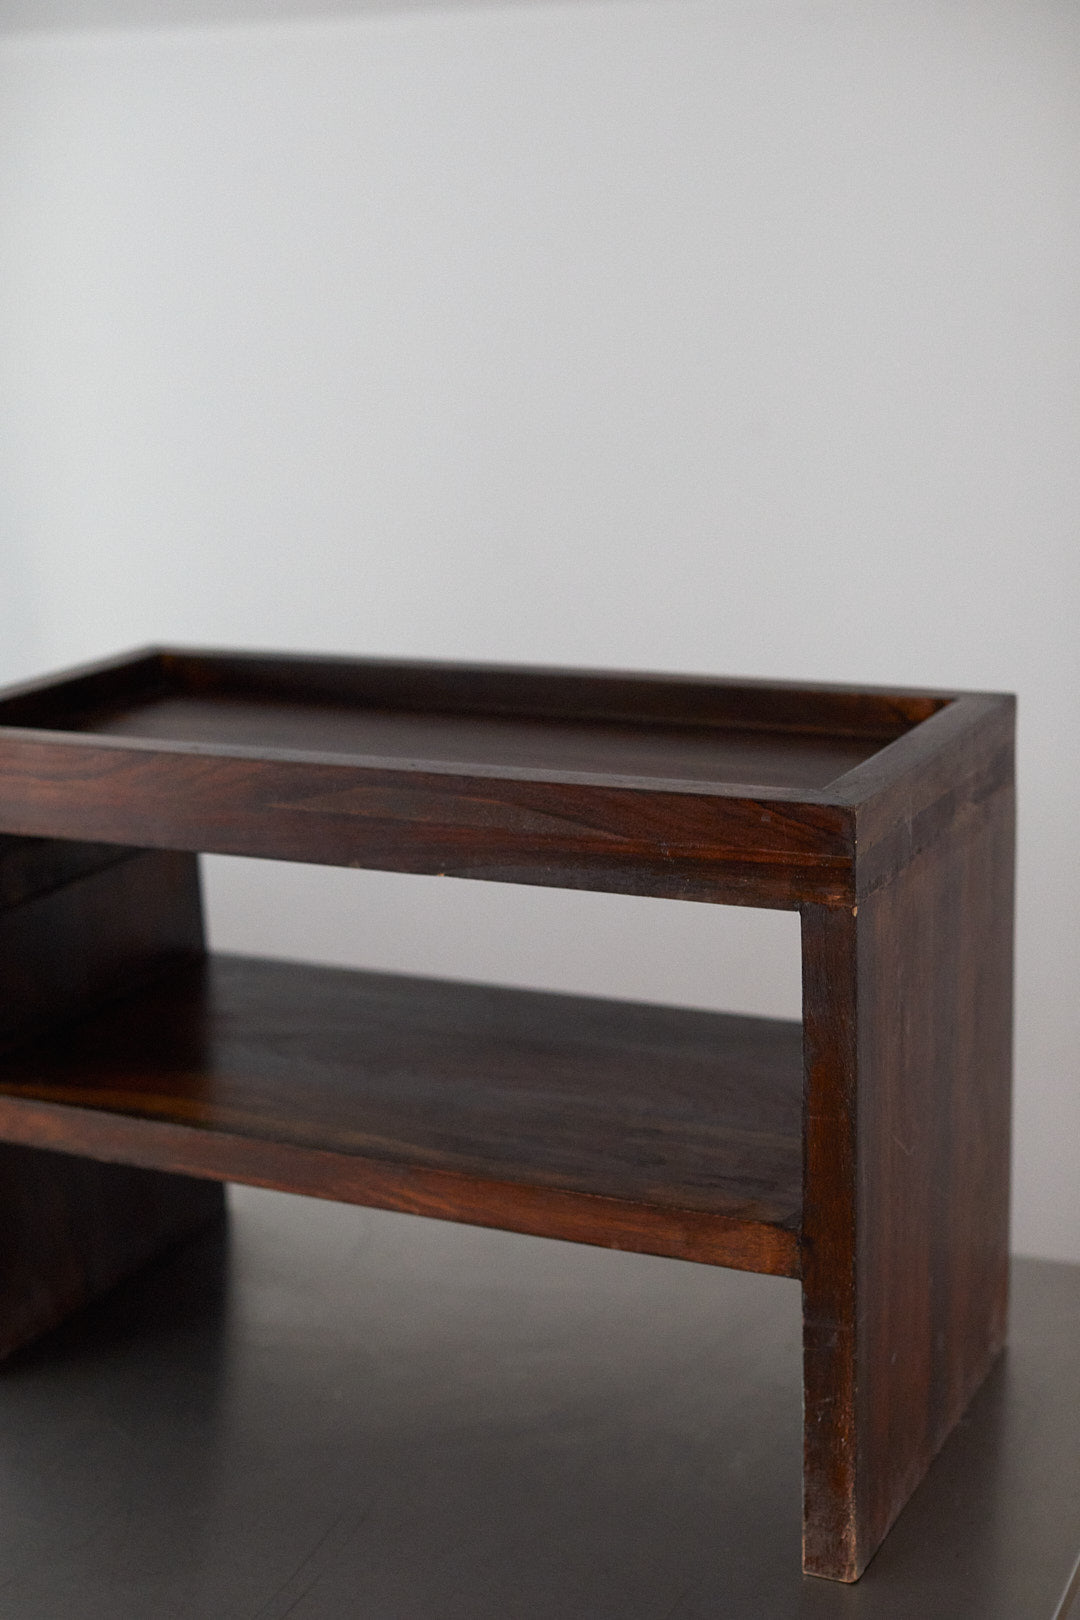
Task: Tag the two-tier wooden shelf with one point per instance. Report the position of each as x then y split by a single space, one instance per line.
864 1151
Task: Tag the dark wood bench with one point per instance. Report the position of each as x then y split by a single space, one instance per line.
865 1151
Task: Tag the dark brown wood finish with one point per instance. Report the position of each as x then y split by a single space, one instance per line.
633 1127
64 950
698 754
907 1010
80 924
570 834
885 816
669 786
72 1227
73 698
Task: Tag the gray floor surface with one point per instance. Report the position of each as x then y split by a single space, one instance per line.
325 1413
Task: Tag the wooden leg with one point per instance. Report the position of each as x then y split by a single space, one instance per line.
71 1228
907 1020
79 924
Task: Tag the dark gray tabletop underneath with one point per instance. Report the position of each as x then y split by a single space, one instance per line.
340 1414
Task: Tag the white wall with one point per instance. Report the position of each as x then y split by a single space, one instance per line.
730 336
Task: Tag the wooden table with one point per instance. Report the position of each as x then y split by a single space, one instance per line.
864 1151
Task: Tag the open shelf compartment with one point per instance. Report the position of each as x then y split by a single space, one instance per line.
639 1127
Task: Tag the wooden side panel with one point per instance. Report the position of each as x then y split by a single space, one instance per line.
81 926
935 950
908 1040
70 1228
67 948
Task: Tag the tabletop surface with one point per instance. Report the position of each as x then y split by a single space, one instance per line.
326 1412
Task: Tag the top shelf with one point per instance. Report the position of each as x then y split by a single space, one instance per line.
666 729
661 784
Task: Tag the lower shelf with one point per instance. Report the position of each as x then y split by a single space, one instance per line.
635 1127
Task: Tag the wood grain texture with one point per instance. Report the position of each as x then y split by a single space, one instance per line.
568 834
632 1126
67 700
80 925
670 786
884 816
828 1239
699 754
905 1224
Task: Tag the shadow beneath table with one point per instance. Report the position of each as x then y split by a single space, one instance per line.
113 1430
346 1413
